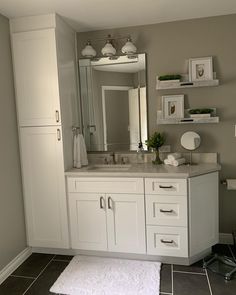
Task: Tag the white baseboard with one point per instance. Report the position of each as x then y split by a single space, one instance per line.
16 262
226 238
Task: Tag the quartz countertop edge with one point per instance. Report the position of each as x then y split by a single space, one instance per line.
148 170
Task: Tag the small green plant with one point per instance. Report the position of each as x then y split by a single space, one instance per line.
169 77
155 142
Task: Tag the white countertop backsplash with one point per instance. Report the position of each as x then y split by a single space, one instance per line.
131 157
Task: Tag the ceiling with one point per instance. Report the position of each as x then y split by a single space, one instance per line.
89 15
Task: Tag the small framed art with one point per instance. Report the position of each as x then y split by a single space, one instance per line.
200 69
173 106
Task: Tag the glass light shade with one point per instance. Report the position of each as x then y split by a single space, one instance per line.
108 49
88 50
129 47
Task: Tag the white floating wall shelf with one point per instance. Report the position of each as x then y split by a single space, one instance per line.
162 85
188 120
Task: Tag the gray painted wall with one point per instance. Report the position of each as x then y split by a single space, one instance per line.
12 224
168 46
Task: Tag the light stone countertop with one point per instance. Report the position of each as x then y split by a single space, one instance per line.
147 170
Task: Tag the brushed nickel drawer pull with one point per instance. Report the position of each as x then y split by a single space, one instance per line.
109 203
167 242
57 116
101 202
166 211
165 186
58 134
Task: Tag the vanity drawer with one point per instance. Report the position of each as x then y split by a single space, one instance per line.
105 185
167 241
166 186
166 210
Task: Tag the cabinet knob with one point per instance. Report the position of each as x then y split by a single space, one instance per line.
109 203
57 116
58 134
166 211
165 186
167 242
102 202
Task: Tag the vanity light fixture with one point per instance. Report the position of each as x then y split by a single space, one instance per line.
129 48
108 49
89 51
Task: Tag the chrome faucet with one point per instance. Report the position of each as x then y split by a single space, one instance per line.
113 155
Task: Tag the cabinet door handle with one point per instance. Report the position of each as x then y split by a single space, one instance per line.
57 116
166 211
167 242
101 202
58 134
165 186
109 203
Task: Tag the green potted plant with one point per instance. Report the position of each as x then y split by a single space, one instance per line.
155 142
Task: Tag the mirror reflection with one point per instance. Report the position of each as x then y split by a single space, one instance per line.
114 102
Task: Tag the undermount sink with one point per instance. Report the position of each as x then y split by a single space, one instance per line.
110 167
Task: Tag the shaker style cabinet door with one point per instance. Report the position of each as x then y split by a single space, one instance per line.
36 78
88 221
126 223
44 187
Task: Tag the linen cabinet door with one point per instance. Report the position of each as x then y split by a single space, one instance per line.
88 221
44 187
126 223
36 77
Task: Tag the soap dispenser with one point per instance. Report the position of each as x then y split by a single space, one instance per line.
140 153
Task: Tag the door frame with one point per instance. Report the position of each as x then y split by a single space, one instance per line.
104 88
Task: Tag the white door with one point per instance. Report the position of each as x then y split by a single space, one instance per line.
134 119
88 221
36 78
44 186
126 223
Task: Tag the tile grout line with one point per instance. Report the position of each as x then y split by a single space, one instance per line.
23 277
190 272
166 293
209 284
62 260
38 275
172 279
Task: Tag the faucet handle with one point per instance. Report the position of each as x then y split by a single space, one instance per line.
124 160
106 161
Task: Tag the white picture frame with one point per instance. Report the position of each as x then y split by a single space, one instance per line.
173 106
200 69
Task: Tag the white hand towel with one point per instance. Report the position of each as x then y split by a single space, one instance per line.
178 162
174 156
80 154
167 162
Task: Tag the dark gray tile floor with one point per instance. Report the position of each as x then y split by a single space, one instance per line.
38 273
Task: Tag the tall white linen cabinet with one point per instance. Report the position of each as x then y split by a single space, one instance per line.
45 69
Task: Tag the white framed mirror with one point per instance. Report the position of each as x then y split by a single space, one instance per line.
114 102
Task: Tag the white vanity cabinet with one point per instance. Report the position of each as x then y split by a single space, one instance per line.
167 216
88 221
34 55
182 215
161 217
45 73
110 219
44 187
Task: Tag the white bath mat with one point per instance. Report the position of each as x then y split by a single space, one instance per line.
86 275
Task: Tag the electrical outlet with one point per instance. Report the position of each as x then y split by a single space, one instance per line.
165 149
